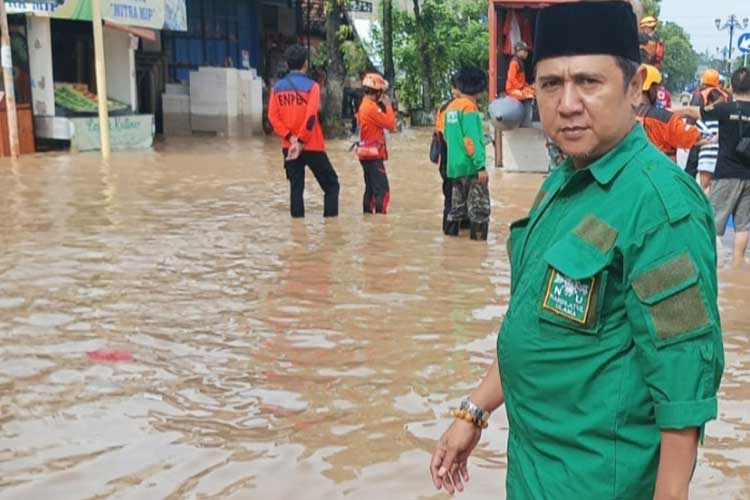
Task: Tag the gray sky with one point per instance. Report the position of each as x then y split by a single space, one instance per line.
697 17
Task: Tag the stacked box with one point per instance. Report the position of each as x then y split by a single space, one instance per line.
176 109
214 101
251 102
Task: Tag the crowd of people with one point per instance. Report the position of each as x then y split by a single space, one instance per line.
725 172
294 115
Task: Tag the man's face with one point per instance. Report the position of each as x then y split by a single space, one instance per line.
584 106
523 54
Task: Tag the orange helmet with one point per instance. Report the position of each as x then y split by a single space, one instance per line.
711 78
649 22
375 81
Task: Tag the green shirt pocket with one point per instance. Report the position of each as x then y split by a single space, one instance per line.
574 285
675 304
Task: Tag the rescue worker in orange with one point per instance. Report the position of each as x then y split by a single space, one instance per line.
652 47
665 130
293 113
516 85
375 116
710 81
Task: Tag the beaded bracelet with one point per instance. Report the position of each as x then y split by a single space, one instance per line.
468 417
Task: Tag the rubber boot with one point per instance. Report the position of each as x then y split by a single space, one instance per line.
479 231
452 228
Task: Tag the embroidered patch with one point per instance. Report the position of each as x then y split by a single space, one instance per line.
569 298
666 276
679 314
597 233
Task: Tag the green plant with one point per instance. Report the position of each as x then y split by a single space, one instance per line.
456 35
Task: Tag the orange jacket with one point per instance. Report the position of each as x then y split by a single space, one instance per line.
293 111
515 84
667 131
374 118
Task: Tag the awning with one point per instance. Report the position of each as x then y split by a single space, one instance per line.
144 33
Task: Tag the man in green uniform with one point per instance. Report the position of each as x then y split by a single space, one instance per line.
610 355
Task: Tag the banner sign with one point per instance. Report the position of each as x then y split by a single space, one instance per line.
142 13
125 132
154 14
175 15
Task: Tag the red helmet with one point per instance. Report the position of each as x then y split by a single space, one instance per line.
375 81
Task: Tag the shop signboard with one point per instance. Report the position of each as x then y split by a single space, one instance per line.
154 14
60 9
142 13
126 132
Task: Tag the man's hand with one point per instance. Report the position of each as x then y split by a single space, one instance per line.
294 150
386 100
449 466
484 178
676 462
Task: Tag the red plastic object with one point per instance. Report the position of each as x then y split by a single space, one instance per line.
111 355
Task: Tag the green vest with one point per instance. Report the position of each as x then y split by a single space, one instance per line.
464 121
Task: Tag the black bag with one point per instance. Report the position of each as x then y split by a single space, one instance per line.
436 147
743 148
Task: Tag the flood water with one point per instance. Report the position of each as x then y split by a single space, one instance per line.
273 358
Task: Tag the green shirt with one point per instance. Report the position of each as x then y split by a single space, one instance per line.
464 135
613 330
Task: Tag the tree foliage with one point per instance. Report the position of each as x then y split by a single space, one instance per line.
456 35
680 59
651 7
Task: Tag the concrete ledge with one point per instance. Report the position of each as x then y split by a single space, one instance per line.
524 151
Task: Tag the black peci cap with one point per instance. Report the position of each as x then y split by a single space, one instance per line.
587 28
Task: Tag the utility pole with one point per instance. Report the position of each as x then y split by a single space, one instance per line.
732 23
101 78
307 29
10 90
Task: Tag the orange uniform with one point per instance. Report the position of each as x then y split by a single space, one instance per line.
293 111
374 118
516 85
667 131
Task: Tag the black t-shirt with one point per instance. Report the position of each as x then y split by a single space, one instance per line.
730 165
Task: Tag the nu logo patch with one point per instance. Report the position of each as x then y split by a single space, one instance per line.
568 297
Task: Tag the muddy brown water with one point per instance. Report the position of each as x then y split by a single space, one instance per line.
273 359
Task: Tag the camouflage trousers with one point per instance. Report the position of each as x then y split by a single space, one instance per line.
471 200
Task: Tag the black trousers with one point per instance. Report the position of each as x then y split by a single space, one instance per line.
691 167
377 192
447 185
324 173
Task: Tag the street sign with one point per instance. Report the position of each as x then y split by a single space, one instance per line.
743 42
360 6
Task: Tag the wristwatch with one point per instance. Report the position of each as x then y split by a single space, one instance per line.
481 416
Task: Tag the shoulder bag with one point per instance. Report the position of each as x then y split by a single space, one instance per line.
743 147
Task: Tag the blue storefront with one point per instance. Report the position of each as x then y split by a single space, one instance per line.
224 33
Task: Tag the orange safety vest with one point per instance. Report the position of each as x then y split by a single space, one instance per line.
652 49
705 93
